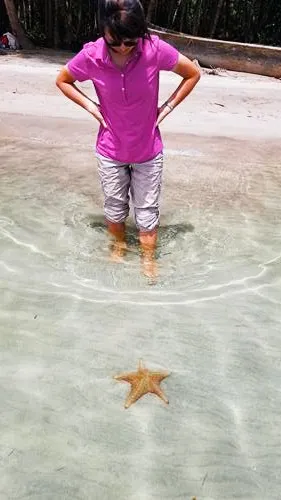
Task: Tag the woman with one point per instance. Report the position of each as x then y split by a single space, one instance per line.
124 66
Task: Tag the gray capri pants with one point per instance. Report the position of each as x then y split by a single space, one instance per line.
142 181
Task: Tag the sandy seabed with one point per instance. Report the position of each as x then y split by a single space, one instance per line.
71 320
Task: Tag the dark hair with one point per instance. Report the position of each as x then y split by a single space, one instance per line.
123 19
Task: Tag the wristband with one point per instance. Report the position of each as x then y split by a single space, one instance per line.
170 106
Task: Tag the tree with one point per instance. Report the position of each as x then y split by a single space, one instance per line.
16 26
216 19
151 10
70 23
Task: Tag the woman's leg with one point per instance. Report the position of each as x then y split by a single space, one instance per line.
116 230
148 242
146 181
115 181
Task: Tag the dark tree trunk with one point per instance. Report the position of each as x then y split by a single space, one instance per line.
16 26
183 17
48 22
56 25
216 19
176 12
151 10
197 17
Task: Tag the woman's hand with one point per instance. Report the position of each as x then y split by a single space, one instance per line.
163 112
94 109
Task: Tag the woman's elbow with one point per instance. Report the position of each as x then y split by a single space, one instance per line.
58 81
63 77
197 76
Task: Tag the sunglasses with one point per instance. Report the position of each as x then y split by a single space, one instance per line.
127 43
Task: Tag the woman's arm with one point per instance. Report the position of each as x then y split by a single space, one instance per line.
191 75
65 82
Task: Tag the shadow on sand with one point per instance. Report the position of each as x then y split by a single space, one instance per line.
40 55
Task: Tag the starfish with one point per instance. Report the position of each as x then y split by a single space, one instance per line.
142 382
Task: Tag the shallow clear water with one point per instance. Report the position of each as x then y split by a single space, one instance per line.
71 320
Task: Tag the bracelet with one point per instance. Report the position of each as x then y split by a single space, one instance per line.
170 106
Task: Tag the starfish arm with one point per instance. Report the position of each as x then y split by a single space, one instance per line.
138 390
156 390
126 377
159 376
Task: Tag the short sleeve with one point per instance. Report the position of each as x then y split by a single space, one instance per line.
78 66
167 56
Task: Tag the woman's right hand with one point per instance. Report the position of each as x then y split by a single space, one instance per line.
94 109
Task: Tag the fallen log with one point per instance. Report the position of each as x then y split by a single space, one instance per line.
233 56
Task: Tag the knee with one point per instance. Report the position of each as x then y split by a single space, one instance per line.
115 210
147 219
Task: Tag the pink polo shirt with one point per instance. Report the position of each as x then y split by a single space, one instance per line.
128 97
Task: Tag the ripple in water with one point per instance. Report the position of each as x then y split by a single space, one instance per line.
196 261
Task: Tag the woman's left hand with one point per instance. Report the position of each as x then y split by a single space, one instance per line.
162 113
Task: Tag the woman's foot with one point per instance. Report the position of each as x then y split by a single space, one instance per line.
118 251
118 245
149 268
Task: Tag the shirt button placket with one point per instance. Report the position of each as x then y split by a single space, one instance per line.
123 85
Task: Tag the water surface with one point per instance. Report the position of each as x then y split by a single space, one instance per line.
71 320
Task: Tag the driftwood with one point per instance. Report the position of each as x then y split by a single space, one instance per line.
233 56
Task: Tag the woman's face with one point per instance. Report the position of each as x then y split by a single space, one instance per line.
122 49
